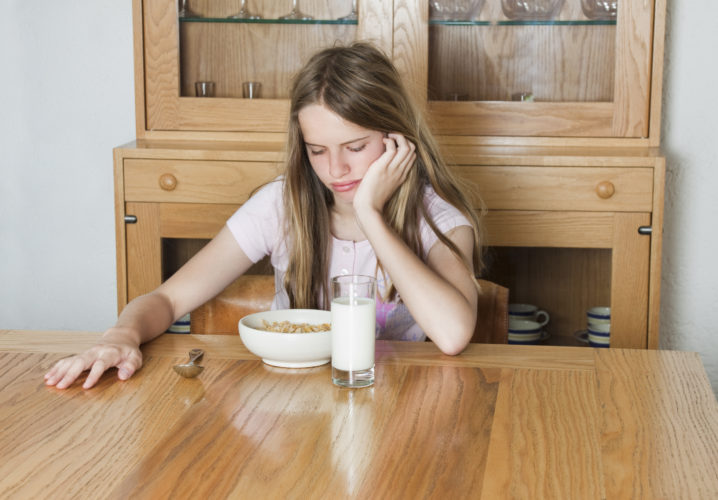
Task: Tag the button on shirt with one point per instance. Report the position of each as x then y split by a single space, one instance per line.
259 230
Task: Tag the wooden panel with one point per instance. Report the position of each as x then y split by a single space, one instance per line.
531 419
633 69
196 181
144 249
654 290
376 22
162 70
411 41
491 63
549 229
120 233
629 277
659 428
526 119
562 188
193 220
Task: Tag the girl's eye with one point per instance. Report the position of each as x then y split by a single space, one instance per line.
315 152
357 149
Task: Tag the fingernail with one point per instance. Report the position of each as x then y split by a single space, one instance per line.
123 374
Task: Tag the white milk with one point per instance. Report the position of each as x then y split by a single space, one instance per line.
353 333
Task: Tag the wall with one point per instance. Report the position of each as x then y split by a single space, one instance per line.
689 289
67 99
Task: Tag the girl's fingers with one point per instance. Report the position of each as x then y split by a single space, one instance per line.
74 369
98 368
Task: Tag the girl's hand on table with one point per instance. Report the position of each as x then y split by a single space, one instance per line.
385 175
114 351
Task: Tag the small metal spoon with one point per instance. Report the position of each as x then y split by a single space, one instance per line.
191 369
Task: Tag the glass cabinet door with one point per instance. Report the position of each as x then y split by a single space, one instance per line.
548 68
199 53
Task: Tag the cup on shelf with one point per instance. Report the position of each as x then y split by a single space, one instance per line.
181 325
524 331
251 90
598 327
528 312
599 334
204 89
599 314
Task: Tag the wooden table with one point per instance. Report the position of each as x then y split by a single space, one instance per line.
495 422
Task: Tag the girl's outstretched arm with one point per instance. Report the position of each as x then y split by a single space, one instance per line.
214 267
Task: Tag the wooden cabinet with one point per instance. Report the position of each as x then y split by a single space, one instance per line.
572 177
592 81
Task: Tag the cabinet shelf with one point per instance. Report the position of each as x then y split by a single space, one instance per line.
578 22
264 21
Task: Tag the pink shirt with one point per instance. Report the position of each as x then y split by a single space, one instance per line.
257 227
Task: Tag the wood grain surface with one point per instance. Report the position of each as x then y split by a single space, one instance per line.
497 421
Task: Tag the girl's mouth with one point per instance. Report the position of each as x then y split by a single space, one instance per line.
345 186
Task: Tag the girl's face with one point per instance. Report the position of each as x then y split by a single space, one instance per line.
340 151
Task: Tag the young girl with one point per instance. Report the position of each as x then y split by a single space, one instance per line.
364 192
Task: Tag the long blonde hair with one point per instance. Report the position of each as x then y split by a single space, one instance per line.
362 86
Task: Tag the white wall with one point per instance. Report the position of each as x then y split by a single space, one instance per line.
67 99
689 287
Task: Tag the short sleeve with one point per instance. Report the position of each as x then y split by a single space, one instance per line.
257 224
445 216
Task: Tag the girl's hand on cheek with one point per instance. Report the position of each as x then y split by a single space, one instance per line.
385 175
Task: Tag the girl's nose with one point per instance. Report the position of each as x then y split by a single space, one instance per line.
338 166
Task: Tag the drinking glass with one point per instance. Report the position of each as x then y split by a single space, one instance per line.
352 16
244 12
353 330
296 13
251 90
204 89
185 11
600 9
531 10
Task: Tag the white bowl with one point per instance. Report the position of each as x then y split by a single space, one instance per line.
288 350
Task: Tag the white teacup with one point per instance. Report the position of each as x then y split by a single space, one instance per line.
528 312
524 331
599 328
598 315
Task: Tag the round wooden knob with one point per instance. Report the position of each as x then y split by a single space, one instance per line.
605 189
168 182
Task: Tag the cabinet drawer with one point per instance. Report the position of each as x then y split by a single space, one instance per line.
195 181
563 188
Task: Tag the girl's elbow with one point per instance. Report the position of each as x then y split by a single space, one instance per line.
452 345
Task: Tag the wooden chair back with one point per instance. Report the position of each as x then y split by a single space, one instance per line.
254 293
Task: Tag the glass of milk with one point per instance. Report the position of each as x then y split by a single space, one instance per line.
353 327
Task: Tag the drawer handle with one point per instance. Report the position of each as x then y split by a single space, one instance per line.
168 182
605 189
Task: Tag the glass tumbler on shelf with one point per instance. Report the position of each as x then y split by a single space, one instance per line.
296 13
455 10
531 10
352 16
600 9
244 12
185 11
